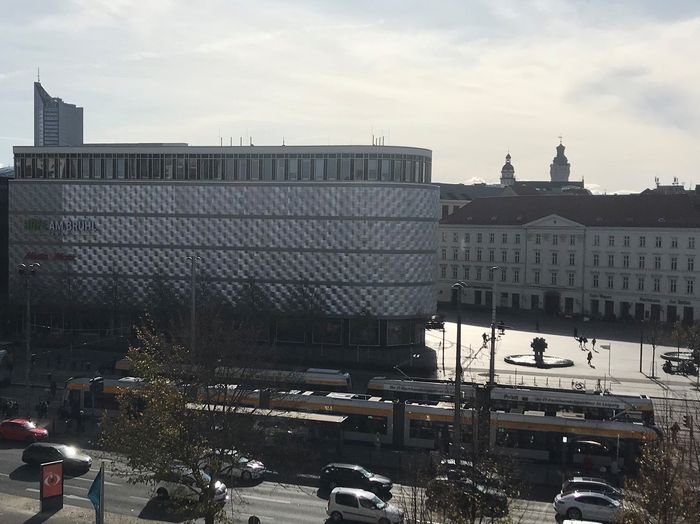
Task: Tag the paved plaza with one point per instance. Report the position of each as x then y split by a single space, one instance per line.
617 369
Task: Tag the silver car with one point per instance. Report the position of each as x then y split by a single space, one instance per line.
587 505
181 484
235 465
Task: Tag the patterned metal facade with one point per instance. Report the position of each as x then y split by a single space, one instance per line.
359 246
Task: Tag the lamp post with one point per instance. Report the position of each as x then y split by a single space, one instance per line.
457 424
27 271
492 359
193 293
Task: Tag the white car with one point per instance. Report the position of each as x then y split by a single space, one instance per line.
359 505
181 484
587 504
236 465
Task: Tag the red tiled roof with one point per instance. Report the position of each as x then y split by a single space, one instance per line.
589 210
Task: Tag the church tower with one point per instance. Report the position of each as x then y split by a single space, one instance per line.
507 173
560 168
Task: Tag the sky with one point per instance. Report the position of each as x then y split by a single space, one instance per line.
468 79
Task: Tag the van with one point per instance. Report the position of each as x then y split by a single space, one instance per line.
361 506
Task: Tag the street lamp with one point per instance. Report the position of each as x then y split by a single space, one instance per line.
457 426
492 379
27 271
193 293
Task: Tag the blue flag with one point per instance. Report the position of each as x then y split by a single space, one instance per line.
96 496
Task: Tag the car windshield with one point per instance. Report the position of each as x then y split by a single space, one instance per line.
379 503
365 473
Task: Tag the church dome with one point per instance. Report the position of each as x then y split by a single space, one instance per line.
508 167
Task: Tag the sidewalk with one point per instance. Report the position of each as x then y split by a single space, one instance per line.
21 510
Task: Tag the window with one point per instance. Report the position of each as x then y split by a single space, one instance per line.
625 261
444 236
504 256
642 241
671 285
538 238
492 238
626 241
503 274
691 264
691 242
504 238
596 240
554 278
346 499
555 240
595 280
443 253
657 262
478 273
555 258
641 261
657 241
443 271
455 237
465 272
572 240
516 257
611 260
674 263
674 242
490 277
478 255
657 284
455 253
517 238
537 257
467 238
640 283
536 276
596 260
625 282
492 255
479 237
516 275
455 271
611 240
611 281
466 254
571 277
690 287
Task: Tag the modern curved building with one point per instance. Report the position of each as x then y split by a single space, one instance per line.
353 226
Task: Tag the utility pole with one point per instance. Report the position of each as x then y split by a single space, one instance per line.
492 359
457 423
193 293
28 271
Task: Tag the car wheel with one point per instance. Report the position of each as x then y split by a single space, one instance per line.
336 516
574 514
162 494
246 476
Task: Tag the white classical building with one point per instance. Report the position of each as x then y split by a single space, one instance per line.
628 256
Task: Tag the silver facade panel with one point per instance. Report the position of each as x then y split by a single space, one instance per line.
358 246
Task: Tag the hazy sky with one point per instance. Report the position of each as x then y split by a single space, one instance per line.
468 79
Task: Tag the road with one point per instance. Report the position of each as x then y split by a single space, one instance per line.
271 501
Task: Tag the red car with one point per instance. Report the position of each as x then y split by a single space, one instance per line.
22 429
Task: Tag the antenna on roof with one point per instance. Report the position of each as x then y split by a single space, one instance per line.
283 141
38 75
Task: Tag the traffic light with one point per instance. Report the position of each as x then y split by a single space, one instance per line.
688 421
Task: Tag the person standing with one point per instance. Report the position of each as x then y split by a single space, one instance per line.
593 343
590 357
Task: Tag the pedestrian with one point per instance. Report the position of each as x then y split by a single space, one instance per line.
485 338
593 343
674 431
585 341
590 357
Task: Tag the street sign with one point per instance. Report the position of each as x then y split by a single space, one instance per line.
51 487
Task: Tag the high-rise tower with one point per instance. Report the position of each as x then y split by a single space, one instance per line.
55 122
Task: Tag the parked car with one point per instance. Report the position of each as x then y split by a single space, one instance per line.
181 484
353 476
442 492
466 469
587 504
235 465
359 505
22 430
73 460
591 484
435 322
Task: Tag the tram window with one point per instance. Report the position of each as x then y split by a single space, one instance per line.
74 398
422 429
366 424
107 401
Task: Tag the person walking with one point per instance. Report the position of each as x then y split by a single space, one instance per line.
485 338
593 343
590 357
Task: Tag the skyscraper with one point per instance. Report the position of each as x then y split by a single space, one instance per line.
55 122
